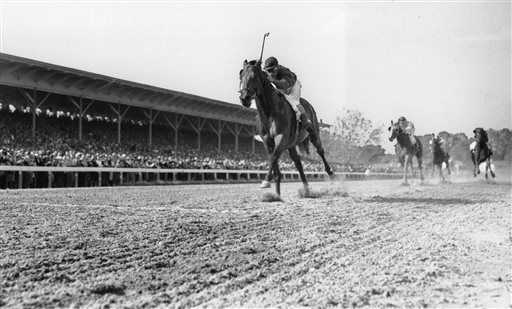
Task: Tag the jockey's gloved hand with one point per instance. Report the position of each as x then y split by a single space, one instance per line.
270 78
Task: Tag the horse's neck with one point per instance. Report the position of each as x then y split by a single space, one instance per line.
267 102
438 151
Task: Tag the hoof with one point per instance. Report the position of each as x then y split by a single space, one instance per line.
307 192
265 184
404 184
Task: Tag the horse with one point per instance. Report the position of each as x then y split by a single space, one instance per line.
278 126
480 152
407 149
439 156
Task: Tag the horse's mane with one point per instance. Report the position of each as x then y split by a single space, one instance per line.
254 62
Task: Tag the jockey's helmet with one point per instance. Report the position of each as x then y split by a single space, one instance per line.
402 118
270 63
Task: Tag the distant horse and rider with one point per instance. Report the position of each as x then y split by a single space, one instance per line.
409 145
282 125
481 152
439 156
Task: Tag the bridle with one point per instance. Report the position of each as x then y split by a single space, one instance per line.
253 92
395 131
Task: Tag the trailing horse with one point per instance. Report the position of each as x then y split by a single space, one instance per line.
439 156
278 124
480 152
407 150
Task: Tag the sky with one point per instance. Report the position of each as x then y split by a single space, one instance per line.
444 65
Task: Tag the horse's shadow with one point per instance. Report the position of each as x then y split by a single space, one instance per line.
423 201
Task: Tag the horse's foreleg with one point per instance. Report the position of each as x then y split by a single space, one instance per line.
420 166
274 162
298 164
406 164
279 176
269 145
448 167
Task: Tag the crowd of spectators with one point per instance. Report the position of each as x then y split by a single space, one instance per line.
56 143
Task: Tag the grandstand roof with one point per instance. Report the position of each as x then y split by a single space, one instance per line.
31 74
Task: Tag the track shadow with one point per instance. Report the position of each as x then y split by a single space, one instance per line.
428 201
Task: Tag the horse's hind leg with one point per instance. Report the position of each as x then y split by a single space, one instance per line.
448 167
298 164
441 176
315 140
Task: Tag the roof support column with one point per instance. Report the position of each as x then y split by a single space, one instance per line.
81 112
253 133
120 116
236 133
218 130
151 120
32 101
200 124
175 125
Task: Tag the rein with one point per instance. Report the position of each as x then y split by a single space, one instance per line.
257 92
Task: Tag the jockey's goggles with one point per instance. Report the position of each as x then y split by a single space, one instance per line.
271 69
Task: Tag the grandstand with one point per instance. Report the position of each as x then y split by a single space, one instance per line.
54 116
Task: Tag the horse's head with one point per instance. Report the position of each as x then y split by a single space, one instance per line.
480 135
394 129
435 142
252 81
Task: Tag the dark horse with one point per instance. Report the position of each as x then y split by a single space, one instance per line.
439 156
278 124
481 152
407 149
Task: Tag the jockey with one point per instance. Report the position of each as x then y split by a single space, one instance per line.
287 83
408 127
483 138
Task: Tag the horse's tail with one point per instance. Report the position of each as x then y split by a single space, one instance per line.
304 146
310 111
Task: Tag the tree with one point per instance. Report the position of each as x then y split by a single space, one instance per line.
500 142
353 132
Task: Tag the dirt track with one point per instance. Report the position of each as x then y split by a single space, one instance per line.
383 245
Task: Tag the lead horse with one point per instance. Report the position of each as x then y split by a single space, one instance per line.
279 128
407 149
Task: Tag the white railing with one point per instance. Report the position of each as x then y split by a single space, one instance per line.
14 176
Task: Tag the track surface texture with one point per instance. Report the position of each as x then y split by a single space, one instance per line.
358 244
